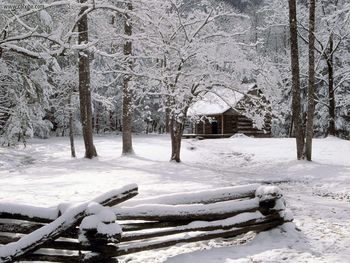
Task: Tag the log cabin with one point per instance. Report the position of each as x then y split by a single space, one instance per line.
223 114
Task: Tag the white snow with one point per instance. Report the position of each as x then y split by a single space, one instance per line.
219 100
93 222
211 106
29 210
45 18
106 215
109 229
267 192
89 222
228 222
215 103
203 196
62 222
94 208
98 217
197 209
317 193
287 214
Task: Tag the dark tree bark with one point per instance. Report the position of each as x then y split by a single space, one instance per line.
328 56
127 93
71 128
331 97
167 120
176 127
311 84
4 37
85 86
176 131
96 118
296 104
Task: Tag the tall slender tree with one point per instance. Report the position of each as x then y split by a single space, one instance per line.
331 96
328 54
296 99
331 38
71 127
127 92
311 82
85 85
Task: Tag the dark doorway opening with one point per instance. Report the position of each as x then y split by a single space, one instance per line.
214 127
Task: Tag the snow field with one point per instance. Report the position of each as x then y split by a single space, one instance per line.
43 174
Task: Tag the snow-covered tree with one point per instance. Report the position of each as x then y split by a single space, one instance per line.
188 50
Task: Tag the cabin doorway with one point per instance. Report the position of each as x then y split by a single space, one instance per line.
214 127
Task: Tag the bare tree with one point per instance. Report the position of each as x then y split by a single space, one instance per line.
127 93
189 56
330 41
311 84
328 54
85 86
71 127
296 103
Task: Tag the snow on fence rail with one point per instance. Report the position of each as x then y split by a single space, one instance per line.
94 232
199 197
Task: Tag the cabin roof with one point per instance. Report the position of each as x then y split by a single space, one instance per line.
218 101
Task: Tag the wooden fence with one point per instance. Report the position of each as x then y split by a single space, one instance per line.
102 230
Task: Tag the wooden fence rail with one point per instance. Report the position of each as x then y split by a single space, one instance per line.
89 232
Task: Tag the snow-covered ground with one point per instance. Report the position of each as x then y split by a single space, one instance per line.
318 193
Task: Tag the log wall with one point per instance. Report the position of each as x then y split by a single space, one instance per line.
232 124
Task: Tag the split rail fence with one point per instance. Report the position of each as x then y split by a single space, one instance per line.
114 225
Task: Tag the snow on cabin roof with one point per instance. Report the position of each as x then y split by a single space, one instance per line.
206 107
219 101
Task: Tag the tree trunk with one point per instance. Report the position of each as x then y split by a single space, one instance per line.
97 118
167 120
331 97
296 104
85 87
71 128
176 131
127 93
290 131
311 84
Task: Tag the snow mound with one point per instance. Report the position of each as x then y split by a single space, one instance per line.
106 215
109 229
239 135
89 222
94 208
267 192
